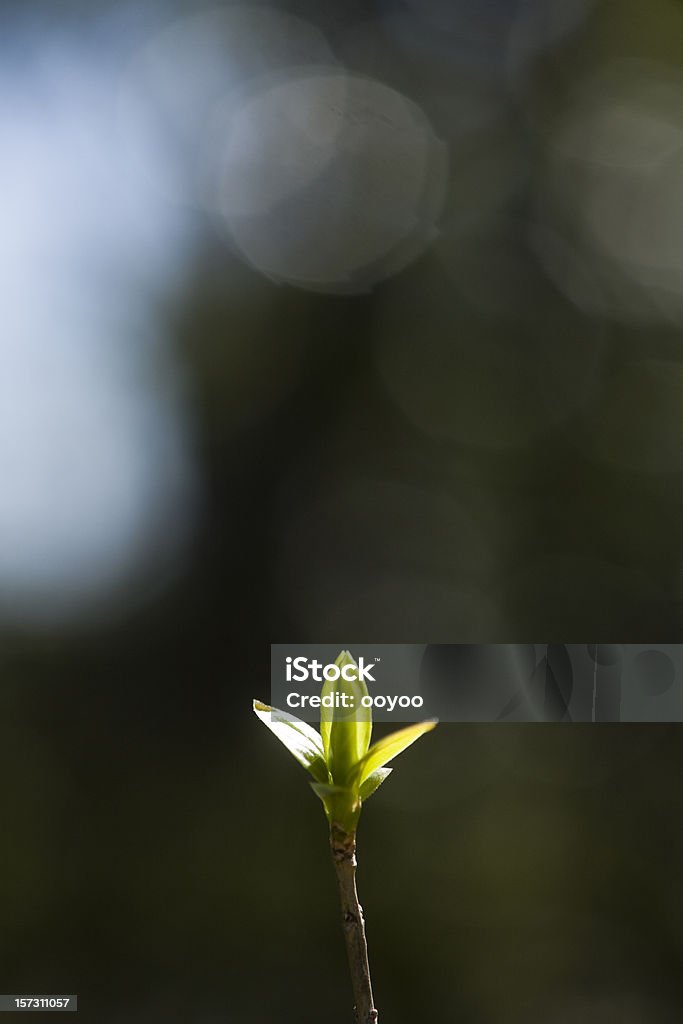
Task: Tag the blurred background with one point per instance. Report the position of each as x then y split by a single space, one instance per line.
351 322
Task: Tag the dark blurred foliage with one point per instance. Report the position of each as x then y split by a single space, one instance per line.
463 453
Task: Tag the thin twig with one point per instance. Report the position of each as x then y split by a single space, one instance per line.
343 846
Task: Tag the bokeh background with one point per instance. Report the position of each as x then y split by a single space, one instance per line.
345 321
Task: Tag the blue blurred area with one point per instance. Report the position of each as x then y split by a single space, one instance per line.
96 437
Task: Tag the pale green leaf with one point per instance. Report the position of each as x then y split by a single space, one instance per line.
373 782
327 714
301 739
384 750
345 732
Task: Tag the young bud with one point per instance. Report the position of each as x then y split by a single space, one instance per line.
345 729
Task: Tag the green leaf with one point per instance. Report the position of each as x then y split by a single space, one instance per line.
301 740
326 790
387 748
327 715
345 732
373 782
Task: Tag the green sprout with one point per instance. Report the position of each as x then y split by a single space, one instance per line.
346 772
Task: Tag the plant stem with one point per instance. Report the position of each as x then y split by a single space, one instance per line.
343 846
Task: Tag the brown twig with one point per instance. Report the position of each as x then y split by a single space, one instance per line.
343 846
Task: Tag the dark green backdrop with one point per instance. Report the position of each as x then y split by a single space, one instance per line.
474 451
